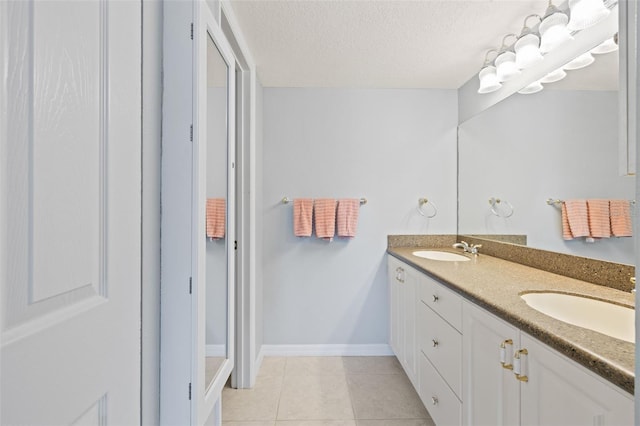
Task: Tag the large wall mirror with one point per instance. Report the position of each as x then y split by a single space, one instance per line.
560 143
216 339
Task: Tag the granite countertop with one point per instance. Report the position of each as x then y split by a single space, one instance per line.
496 284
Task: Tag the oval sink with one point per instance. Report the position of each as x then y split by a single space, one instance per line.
441 255
597 315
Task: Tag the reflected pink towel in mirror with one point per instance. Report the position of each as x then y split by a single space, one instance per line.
216 215
599 222
302 217
620 211
347 217
576 213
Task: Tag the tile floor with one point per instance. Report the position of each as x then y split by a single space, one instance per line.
326 391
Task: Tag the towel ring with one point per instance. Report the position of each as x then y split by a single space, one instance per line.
494 209
423 202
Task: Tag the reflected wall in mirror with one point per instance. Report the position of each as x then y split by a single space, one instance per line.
559 144
216 338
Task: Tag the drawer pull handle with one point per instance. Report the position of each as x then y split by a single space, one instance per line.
435 298
517 365
434 400
435 343
503 354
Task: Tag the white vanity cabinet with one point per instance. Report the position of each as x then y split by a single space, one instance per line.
561 392
403 296
552 390
491 392
440 358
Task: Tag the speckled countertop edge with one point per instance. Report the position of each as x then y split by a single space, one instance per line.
496 284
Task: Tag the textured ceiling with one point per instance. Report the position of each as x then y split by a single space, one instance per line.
382 44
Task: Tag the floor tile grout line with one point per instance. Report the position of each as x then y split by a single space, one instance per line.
284 373
346 379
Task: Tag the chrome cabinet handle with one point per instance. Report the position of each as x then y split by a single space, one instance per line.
434 400
435 343
435 298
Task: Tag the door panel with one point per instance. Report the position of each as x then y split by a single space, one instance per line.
70 212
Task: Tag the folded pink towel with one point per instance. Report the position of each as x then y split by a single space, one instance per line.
599 218
302 217
566 229
325 217
577 218
620 211
347 217
216 214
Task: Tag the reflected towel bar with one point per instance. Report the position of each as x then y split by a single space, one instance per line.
287 200
556 202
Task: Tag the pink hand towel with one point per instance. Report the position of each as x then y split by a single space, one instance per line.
347 217
325 217
216 214
566 229
620 211
577 218
302 217
599 218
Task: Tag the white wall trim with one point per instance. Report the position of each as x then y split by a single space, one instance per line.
215 350
325 350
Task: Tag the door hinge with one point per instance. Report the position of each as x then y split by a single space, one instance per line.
190 285
191 133
192 31
189 391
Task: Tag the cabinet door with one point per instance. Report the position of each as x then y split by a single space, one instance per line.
410 300
396 338
402 331
561 392
491 393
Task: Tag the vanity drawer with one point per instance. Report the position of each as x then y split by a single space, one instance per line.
445 302
443 405
442 344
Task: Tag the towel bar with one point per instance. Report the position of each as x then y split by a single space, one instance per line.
287 200
556 202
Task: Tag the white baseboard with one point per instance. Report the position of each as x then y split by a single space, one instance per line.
325 350
215 350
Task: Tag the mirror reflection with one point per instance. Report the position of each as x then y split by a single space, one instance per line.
216 247
561 144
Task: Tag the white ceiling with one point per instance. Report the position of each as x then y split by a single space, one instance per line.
382 43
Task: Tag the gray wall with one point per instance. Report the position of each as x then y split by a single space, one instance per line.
390 146
554 144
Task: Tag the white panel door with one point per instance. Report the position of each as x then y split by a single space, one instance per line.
70 152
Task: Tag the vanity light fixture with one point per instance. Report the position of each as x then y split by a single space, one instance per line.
554 76
607 46
553 29
580 62
527 46
488 78
506 67
534 87
585 13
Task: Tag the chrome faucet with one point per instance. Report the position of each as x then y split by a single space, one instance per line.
473 248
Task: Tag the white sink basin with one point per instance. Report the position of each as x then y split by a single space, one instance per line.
441 255
597 315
